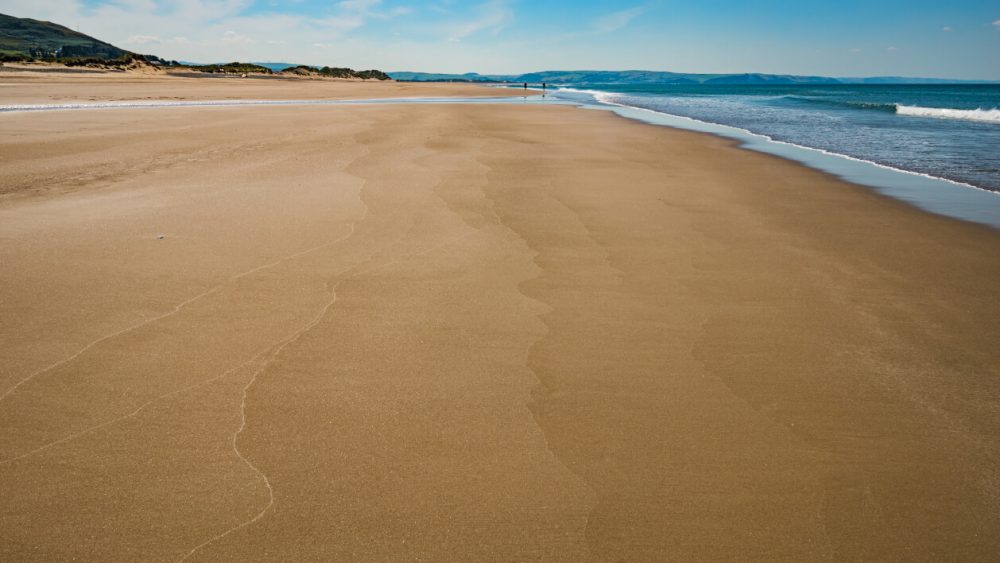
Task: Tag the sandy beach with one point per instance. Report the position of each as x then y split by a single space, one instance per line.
44 85
473 333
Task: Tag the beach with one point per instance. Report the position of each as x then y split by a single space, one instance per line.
473 332
54 84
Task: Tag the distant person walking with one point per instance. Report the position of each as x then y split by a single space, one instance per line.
525 85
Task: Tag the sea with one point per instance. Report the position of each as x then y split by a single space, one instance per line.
948 131
941 137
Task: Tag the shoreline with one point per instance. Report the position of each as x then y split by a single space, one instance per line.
479 331
975 208
56 87
923 191
990 220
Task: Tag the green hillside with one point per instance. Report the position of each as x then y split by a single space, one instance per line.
336 72
231 68
23 38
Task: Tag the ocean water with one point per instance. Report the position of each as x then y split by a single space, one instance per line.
950 132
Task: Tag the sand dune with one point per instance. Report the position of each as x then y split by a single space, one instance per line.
477 333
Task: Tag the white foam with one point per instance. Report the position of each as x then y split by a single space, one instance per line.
126 104
606 97
595 93
984 115
13 108
133 104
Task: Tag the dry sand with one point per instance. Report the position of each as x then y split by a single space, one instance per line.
84 85
478 333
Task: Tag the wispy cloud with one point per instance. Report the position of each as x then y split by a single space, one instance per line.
367 9
892 49
196 10
138 5
231 37
996 24
947 29
359 6
350 15
209 30
492 17
617 20
142 39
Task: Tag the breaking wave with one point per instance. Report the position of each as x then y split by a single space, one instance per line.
984 115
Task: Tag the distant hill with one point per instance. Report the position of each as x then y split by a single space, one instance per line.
653 77
610 77
768 79
34 39
231 68
336 72
439 77
905 80
617 77
27 39
408 76
275 67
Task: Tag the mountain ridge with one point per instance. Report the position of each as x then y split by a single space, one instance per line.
607 77
30 38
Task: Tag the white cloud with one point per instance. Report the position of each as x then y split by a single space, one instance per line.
617 20
354 14
64 11
947 29
892 49
360 6
200 11
365 9
142 39
232 38
493 17
213 30
335 26
137 5
996 24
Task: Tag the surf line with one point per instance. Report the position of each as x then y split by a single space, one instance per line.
144 104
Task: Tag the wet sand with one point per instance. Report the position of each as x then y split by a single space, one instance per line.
478 333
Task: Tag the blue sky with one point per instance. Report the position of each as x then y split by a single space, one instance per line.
941 38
